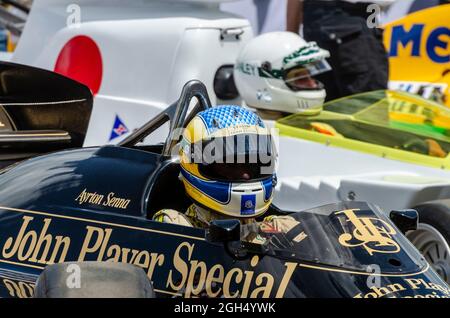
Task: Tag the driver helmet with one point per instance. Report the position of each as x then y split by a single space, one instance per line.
274 71
227 159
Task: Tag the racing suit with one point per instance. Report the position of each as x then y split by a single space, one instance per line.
251 230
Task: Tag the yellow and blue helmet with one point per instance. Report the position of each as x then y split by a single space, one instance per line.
227 159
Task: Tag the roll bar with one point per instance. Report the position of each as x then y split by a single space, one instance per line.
176 114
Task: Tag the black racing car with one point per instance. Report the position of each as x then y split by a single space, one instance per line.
96 205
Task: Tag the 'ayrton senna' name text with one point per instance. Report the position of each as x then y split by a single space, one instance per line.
109 200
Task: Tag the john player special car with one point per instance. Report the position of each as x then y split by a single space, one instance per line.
96 205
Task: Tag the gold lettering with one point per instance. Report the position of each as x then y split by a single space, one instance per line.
30 238
142 263
89 197
43 237
116 202
125 252
371 295
248 277
290 268
19 289
414 283
196 278
86 248
12 288
264 289
213 278
155 259
113 250
180 265
80 197
14 245
381 291
227 282
105 241
247 280
396 287
99 199
60 240
29 245
374 235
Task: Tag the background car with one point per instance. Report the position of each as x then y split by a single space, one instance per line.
385 147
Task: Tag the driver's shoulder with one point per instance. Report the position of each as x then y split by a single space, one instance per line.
188 218
173 217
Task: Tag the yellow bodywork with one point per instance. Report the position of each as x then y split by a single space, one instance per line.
436 113
419 49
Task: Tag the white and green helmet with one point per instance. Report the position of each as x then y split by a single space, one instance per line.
275 71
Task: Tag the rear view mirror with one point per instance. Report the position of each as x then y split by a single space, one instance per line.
224 231
405 220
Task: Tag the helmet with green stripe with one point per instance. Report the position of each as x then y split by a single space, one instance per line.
276 71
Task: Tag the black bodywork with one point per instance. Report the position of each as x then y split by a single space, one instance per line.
40 111
96 204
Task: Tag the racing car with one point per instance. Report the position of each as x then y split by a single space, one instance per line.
194 39
96 204
390 148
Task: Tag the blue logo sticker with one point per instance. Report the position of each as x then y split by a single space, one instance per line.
248 203
118 129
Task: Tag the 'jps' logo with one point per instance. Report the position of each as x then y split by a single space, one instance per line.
373 234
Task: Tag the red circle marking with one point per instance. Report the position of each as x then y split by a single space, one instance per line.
80 59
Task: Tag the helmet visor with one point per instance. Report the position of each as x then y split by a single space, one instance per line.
301 77
236 172
238 158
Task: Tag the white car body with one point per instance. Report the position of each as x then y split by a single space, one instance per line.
315 173
149 50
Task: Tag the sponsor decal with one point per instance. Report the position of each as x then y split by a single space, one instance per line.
421 39
408 285
432 91
119 129
248 204
247 68
109 200
177 268
435 43
264 95
80 59
372 234
36 244
18 289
